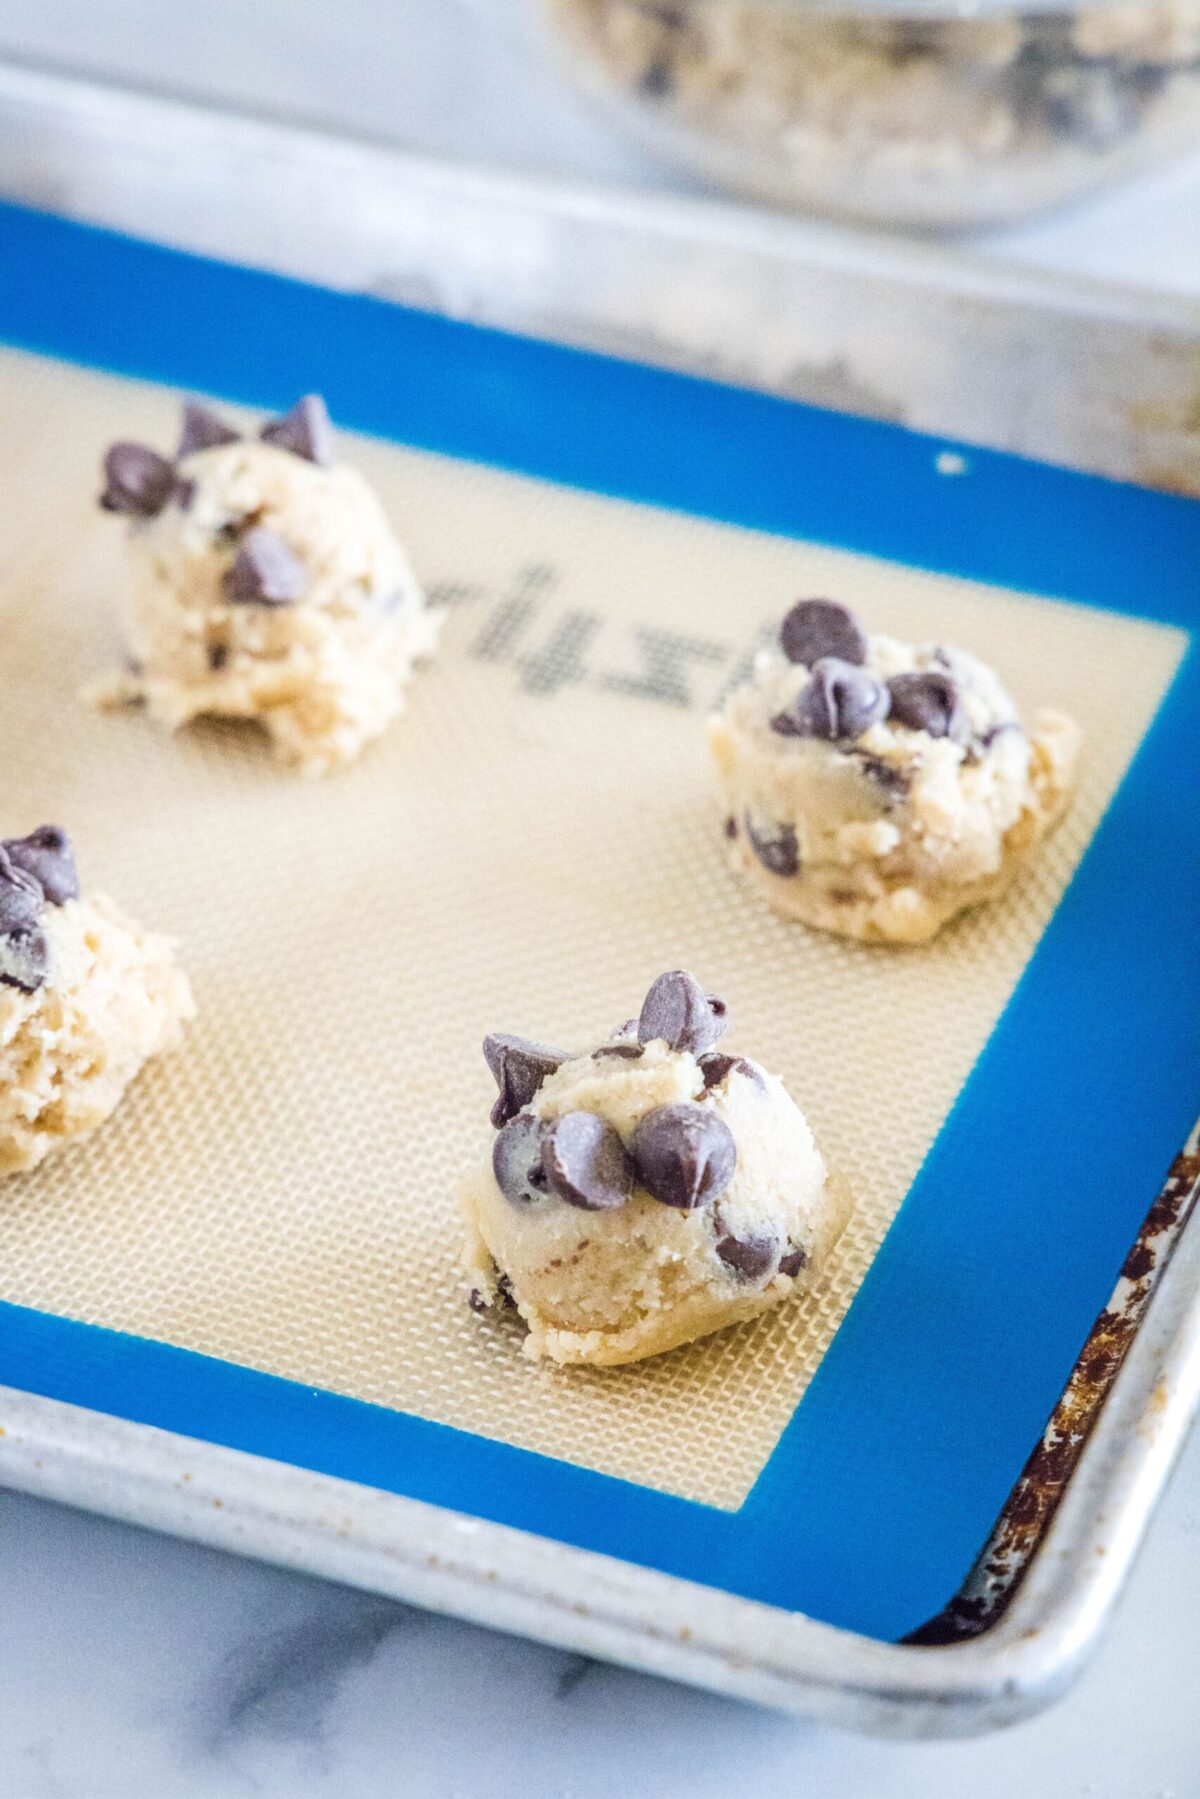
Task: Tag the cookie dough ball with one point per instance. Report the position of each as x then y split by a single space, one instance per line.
876 788
265 583
86 998
647 1192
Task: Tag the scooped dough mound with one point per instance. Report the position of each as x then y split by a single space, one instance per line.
875 788
646 1192
86 999
266 583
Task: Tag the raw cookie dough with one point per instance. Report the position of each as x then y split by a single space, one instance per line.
647 1192
86 997
266 584
875 788
917 120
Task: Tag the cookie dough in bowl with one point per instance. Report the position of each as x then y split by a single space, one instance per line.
86 998
926 115
875 788
266 583
646 1192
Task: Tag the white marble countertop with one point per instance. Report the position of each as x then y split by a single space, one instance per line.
132 1667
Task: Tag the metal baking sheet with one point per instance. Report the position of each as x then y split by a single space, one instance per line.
1080 373
804 1648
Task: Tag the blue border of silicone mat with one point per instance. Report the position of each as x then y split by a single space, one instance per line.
894 1466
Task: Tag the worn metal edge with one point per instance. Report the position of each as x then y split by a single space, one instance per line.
509 1580
947 341
1125 1456
1003 1562
146 115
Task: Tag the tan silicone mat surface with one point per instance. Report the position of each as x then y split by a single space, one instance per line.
529 847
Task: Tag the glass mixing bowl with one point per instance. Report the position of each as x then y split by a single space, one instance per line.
902 113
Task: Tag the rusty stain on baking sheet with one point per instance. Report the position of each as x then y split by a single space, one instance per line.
1166 425
1158 1399
1173 477
831 382
1179 412
1000 1568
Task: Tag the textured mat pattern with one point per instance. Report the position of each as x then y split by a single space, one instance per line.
532 843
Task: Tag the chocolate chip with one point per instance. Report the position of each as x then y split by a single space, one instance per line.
658 78
46 857
21 896
218 656
714 1068
24 952
751 1257
625 1052
678 1011
137 481
792 1262
519 1068
684 1154
815 629
24 958
503 1301
305 431
731 827
265 572
585 1162
203 430
517 1160
894 778
840 702
717 1068
1093 104
929 701
778 851
233 530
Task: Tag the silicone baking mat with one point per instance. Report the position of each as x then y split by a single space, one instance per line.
525 851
